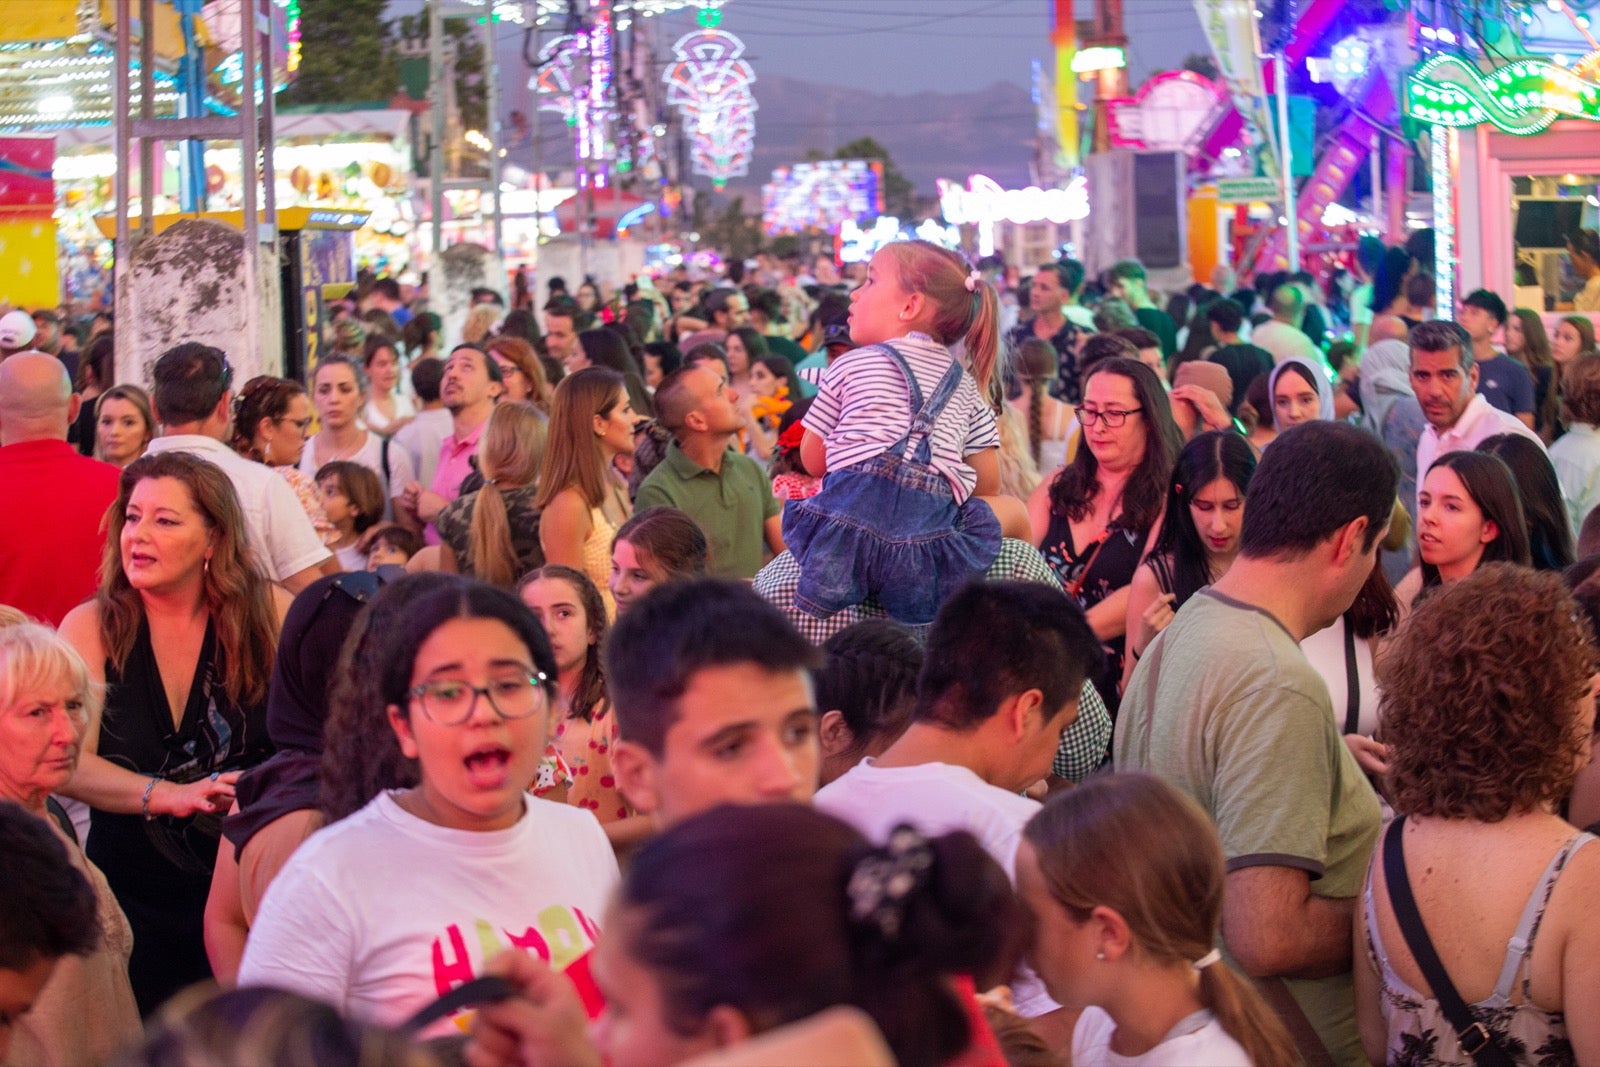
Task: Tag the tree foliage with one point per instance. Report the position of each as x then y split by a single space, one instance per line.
346 55
465 35
899 194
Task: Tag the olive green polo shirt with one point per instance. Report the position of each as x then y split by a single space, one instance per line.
730 506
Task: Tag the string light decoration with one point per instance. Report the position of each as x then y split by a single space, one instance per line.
709 83
1523 97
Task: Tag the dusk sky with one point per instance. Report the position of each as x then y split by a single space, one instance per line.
909 46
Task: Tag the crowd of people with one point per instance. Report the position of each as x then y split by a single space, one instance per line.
937 667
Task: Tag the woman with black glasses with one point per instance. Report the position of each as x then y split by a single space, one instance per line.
1094 519
407 898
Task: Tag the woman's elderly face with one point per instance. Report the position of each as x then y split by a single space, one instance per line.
41 733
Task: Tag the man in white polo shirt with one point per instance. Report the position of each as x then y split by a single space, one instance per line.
192 399
1445 379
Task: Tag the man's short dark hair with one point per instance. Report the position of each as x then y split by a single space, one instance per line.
681 628
1225 314
1421 290
674 400
1327 475
48 904
387 288
1058 271
426 375
1125 270
1139 337
565 306
189 381
1585 243
992 640
1072 274
1441 335
717 300
1487 300
766 301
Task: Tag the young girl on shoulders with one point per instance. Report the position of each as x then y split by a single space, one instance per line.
904 431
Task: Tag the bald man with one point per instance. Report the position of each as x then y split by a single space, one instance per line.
1388 328
1282 335
52 499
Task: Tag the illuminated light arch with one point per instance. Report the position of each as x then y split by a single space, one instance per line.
709 82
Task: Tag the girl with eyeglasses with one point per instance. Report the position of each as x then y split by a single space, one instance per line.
410 896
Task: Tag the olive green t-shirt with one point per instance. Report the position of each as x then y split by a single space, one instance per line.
1225 706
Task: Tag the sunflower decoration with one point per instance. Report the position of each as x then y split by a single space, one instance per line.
769 409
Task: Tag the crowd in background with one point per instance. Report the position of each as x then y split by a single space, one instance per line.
931 665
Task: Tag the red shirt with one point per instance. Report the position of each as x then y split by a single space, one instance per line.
52 504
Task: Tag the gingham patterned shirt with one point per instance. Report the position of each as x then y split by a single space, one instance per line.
1086 741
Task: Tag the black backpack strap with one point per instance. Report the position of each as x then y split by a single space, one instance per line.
1475 1038
1352 680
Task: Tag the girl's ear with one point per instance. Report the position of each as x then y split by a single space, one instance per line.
1491 531
402 732
1116 940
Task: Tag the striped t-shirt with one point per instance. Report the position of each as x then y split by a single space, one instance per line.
864 406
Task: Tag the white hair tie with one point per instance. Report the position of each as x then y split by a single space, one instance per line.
972 281
1207 960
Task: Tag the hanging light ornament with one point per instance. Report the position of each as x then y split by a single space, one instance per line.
709 83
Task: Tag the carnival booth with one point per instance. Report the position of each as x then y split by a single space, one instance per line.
1516 150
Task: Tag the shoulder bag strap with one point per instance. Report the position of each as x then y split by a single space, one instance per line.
1475 1038
1352 680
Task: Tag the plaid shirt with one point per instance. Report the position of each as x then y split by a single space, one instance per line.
1086 741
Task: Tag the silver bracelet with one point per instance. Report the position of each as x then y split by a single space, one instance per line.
144 802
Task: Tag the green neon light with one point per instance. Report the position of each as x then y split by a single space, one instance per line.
1524 96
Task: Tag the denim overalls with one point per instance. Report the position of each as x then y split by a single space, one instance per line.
890 528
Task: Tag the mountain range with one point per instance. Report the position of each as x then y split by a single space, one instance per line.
928 135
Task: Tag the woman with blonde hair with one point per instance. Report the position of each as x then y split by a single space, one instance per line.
1124 876
580 500
1479 889
183 632
124 424
46 701
480 324
493 533
520 371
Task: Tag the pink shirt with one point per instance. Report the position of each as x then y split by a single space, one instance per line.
455 463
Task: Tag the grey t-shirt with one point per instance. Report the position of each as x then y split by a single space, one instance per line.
1225 706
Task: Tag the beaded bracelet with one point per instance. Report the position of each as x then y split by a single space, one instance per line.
144 802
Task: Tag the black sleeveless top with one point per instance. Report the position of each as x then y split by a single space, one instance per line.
160 870
1097 570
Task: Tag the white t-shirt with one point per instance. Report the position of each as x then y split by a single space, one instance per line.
370 456
1199 1039
1284 341
421 438
863 406
281 536
382 913
1325 651
939 798
377 422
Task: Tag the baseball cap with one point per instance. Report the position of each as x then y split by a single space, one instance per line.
836 328
16 329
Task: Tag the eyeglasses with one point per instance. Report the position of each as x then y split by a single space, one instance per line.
227 374
299 424
451 703
1112 418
